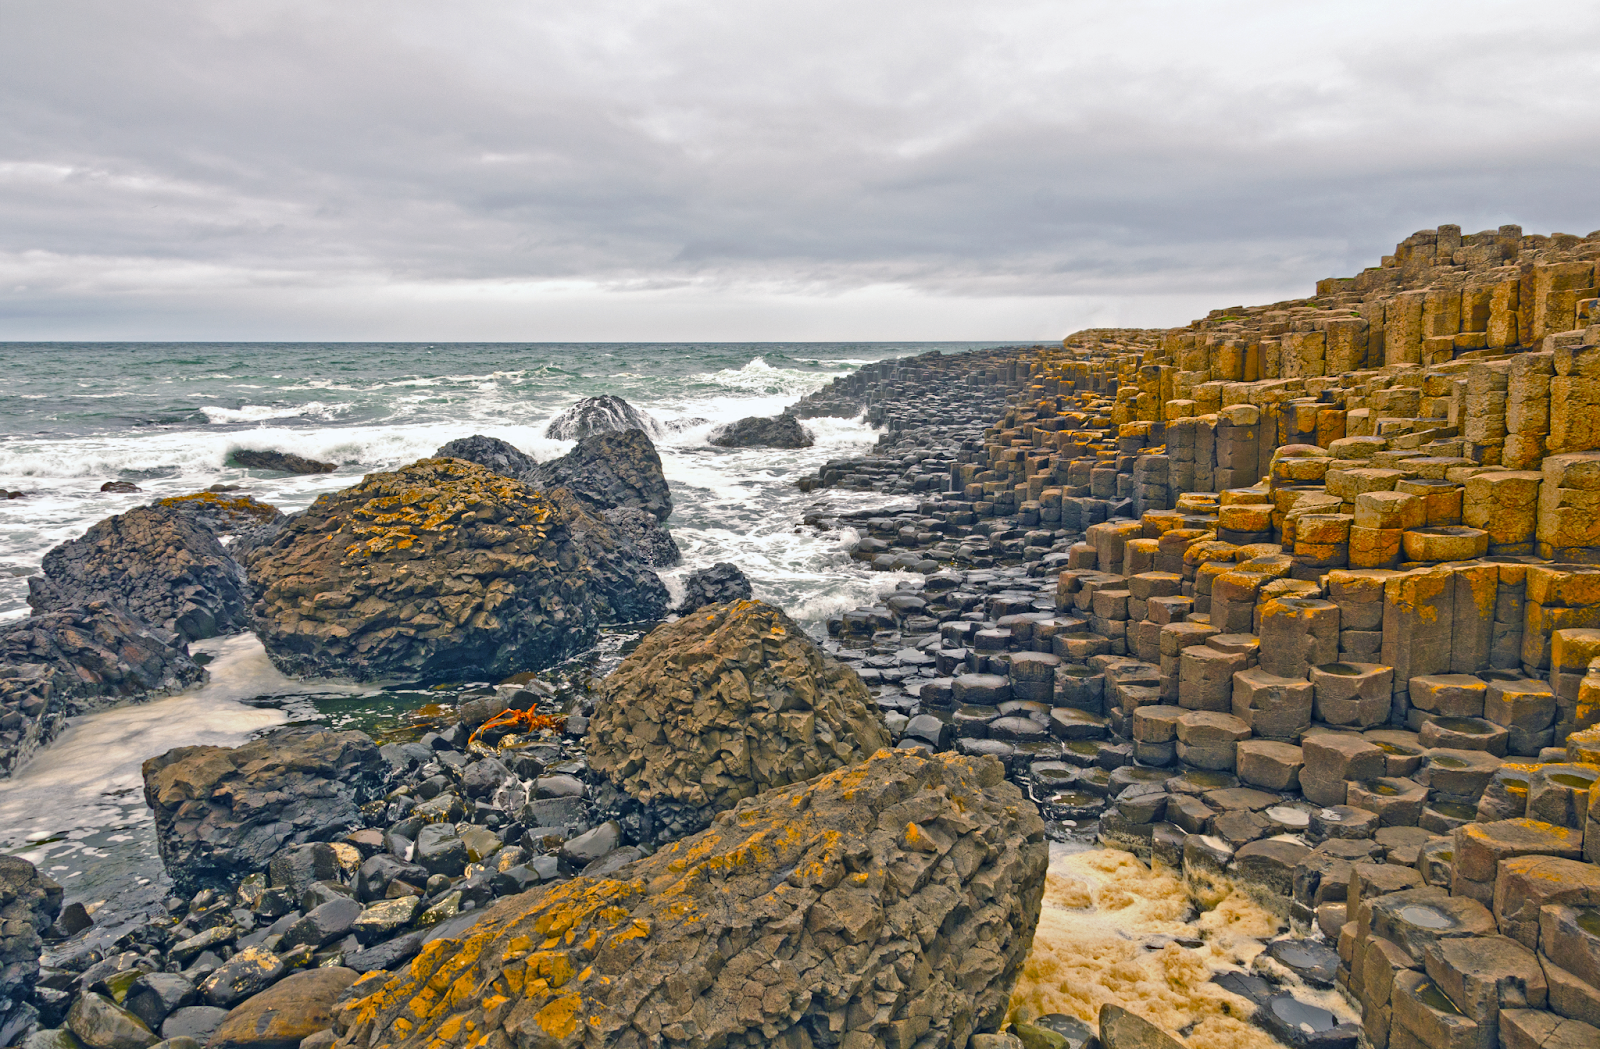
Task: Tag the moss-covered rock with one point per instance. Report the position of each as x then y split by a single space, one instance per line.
442 569
889 903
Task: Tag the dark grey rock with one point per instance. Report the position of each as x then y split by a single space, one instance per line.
720 583
753 431
154 996
612 469
278 462
199 1022
490 452
324 925
440 851
594 415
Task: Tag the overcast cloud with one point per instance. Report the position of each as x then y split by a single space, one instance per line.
752 170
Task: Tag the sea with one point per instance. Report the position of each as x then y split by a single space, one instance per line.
168 416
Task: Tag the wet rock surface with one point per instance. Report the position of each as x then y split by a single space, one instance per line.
783 431
160 564
441 568
622 579
29 905
491 453
281 462
602 414
69 661
719 584
222 813
610 469
932 867
725 703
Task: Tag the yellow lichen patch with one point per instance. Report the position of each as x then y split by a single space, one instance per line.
559 1019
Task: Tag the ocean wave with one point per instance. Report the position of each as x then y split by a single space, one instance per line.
251 413
757 376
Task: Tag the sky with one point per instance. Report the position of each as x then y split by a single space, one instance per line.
752 170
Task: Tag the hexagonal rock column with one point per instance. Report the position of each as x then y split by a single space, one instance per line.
1207 739
1332 758
1353 694
932 866
1298 634
1275 707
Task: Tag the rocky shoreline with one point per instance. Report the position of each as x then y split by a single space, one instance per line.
1297 602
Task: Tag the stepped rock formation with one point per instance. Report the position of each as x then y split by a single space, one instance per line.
157 562
441 569
69 661
888 903
648 537
726 703
612 469
222 812
784 431
601 414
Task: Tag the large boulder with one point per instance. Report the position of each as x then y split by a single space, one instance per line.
726 703
221 812
713 586
285 1014
29 904
441 570
753 431
619 577
157 562
500 456
598 415
73 660
611 469
889 903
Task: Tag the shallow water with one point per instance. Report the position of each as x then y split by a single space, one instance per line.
1106 935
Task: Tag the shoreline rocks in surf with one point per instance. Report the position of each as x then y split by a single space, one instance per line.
784 431
593 415
278 462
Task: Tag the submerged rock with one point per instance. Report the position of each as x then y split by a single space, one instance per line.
157 562
223 812
281 462
720 583
442 569
726 703
892 902
594 415
500 456
612 469
73 660
783 431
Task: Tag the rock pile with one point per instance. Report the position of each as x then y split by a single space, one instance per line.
29 904
442 568
1276 600
725 703
888 903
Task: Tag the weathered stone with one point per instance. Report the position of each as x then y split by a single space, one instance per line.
1120 1029
720 583
611 469
101 1024
438 570
783 431
600 414
725 703
950 864
222 812
286 1013
1528 883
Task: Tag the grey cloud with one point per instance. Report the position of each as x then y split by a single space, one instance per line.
200 161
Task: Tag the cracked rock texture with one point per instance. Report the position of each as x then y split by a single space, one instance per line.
157 562
725 703
439 570
221 812
891 903
610 469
